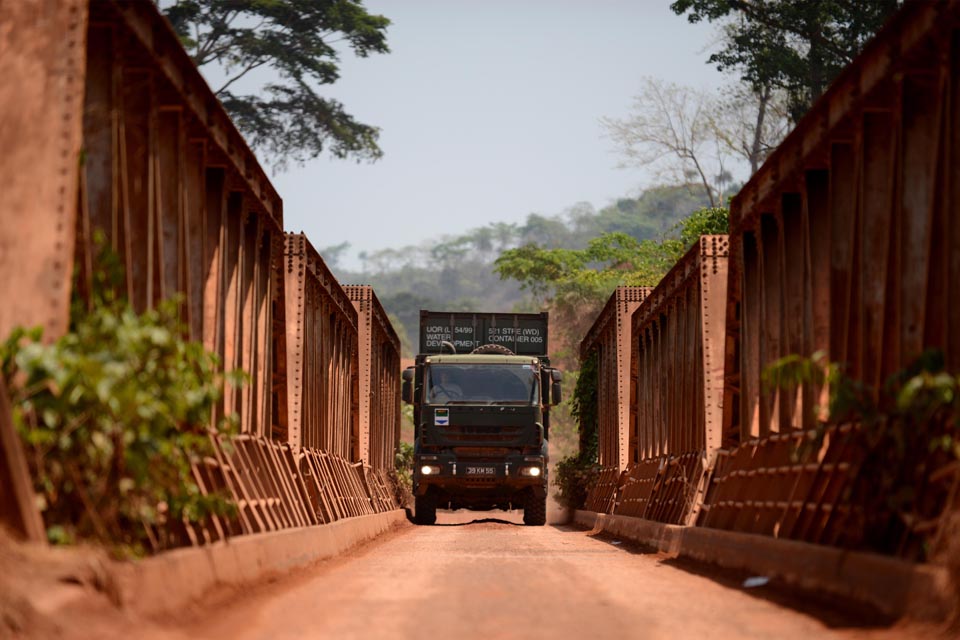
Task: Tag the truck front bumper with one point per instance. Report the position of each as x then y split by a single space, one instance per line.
447 471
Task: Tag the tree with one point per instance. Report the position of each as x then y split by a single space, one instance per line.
334 254
296 39
607 261
752 121
674 130
798 46
575 283
705 221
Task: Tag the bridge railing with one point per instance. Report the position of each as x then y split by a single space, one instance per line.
675 387
378 363
277 486
322 370
109 129
846 240
609 339
844 243
181 200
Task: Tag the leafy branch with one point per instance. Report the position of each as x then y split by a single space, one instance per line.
908 428
114 416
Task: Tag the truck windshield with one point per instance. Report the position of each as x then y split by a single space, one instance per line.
482 383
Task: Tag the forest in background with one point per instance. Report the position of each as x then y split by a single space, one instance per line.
459 272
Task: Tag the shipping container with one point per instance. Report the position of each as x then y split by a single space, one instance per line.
525 334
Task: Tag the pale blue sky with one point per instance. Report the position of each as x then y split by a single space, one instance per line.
489 111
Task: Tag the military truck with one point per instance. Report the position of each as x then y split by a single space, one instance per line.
481 390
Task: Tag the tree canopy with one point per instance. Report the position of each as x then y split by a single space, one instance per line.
612 259
457 272
575 283
797 46
296 40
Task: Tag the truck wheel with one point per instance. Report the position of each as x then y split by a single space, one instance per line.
535 511
425 509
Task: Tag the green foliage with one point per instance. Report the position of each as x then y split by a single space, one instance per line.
702 222
799 46
576 473
909 428
564 432
403 470
575 283
584 407
457 272
607 261
574 477
112 415
589 272
285 117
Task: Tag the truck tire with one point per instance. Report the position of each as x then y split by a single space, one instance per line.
425 509
535 511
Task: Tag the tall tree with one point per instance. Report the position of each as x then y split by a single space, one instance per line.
752 121
799 45
673 130
282 113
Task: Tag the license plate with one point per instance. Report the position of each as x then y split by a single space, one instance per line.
480 471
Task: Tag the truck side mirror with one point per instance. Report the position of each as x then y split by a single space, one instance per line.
556 394
406 391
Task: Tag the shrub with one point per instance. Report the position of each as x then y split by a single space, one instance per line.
574 478
113 415
576 473
403 471
909 429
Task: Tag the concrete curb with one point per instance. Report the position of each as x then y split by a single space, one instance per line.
168 581
893 586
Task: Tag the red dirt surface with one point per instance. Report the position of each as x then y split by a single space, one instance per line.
474 575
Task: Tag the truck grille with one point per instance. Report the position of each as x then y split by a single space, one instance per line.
477 434
492 453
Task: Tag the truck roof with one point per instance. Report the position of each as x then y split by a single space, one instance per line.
479 358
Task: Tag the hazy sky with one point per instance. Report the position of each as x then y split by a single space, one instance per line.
489 111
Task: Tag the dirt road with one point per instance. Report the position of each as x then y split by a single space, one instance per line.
485 576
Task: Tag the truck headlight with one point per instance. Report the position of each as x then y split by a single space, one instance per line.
430 470
532 472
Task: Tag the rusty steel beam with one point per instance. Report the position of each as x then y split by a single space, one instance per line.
275 486
321 334
609 337
787 487
182 202
676 385
602 497
103 98
18 507
379 380
678 356
43 64
119 136
846 240
166 57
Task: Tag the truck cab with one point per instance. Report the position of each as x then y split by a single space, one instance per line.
482 419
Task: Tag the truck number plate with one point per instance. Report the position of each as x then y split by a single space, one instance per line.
481 471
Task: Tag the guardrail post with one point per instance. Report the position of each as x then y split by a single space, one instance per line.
18 509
